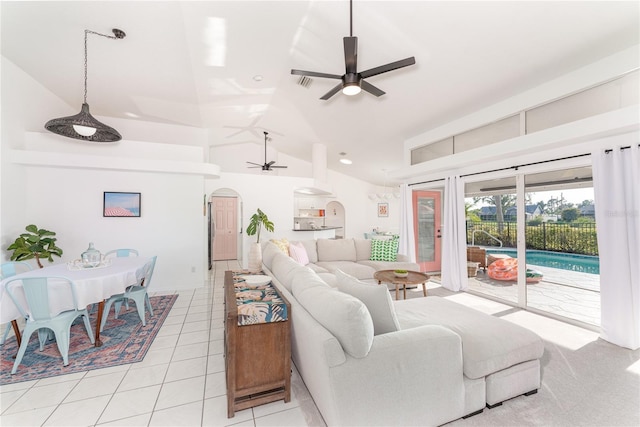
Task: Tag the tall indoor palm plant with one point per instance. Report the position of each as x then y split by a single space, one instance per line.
258 220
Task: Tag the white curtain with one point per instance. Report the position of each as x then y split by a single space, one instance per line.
616 184
454 243
407 236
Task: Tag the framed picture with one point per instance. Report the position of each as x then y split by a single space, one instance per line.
118 204
383 209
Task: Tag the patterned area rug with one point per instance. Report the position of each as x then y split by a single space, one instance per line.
124 340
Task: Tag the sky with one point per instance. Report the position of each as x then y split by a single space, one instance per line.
575 196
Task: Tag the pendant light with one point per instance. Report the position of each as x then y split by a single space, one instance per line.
83 125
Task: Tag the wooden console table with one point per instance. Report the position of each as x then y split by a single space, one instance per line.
257 357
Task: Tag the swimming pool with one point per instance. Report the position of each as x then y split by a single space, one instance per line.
571 262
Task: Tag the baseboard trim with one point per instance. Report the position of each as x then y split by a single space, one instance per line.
479 411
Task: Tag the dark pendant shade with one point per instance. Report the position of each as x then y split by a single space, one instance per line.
64 126
83 125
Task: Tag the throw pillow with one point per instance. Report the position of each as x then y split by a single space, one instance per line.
282 244
375 297
298 253
384 250
346 317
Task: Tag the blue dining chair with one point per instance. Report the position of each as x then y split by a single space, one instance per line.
39 317
9 269
120 253
139 293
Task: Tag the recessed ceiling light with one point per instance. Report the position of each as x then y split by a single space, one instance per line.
257 78
345 161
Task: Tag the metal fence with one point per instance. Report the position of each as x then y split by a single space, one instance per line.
575 238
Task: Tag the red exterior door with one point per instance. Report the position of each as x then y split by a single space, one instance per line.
426 226
225 239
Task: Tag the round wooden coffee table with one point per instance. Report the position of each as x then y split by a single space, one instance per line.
414 278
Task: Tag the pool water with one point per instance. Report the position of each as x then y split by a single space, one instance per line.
571 262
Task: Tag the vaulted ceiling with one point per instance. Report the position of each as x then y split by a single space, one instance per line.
195 64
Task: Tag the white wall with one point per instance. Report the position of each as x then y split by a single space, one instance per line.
561 141
69 200
26 105
170 226
275 196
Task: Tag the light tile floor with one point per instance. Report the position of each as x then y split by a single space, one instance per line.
180 382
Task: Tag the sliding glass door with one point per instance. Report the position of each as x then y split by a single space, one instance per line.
562 275
492 233
554 268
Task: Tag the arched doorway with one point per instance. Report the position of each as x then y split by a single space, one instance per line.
225 212
335 217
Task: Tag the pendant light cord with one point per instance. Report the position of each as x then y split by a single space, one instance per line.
118 35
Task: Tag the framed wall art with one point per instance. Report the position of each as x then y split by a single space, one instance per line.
383 209
119 204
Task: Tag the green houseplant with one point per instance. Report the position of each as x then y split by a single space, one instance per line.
258 220
37 243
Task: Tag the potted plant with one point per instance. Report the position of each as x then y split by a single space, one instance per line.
258 220
37 243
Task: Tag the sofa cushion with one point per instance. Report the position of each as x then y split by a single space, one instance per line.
298 253
390 265
336 250
283 267
357 270
268 252
282 244
345 316
375 297
384 250
489 344
363 249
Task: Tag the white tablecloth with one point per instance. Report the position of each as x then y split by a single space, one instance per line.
92 285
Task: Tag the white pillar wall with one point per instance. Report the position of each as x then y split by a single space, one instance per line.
319 162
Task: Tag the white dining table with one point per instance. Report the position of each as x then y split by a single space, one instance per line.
93 285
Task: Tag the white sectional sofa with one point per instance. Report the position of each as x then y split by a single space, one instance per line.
351 256
367 360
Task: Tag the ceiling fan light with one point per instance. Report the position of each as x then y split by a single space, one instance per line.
351 89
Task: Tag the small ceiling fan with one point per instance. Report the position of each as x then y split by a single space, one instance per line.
352 80
266 166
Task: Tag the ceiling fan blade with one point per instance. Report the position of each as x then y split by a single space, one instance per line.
388 67
254 167
351 54
315 74
257 164
371 88
332 92
281 167
270 163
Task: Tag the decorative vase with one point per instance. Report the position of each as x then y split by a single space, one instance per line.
91 257
255 257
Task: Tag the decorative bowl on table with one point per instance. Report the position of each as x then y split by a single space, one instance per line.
256 280
400 273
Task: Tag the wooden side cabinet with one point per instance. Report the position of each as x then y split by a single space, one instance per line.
257 357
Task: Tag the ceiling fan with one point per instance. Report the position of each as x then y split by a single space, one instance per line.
266 166
352 80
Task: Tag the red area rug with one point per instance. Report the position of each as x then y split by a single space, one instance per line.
124 340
